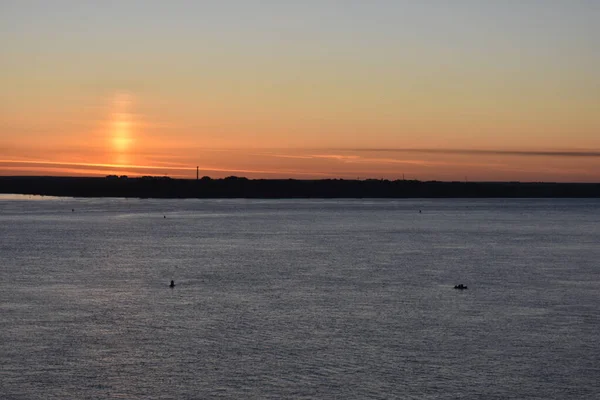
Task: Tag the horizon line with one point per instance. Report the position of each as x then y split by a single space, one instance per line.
297 179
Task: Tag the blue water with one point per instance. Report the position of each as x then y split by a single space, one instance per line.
348 299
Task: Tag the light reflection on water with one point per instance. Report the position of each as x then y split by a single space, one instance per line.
299 299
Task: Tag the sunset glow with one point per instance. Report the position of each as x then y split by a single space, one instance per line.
121 135
122 129
442 91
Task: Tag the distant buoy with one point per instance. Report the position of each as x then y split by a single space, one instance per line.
72 210
419 211
172 285
164 216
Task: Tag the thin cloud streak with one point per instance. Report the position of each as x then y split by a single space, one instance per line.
337 157
355 159
377 162
75 164
27 165
535 153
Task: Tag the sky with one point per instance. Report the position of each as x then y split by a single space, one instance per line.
430 90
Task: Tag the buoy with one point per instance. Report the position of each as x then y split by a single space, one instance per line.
172 285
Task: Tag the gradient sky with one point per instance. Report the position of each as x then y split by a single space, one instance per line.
438 89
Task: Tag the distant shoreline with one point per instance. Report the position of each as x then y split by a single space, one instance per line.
236 187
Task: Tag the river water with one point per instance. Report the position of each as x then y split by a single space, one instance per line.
347 299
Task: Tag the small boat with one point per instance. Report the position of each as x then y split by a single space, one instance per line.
172 285
460 287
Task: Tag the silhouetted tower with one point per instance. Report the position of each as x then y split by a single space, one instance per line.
197 173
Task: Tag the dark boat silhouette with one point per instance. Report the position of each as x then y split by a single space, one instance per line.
460 287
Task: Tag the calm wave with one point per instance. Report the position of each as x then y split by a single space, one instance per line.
299 299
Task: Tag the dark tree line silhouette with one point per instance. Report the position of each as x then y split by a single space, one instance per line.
236 187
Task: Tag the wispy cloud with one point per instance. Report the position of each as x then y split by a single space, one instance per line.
76 164
287 156
535 153
338 157
372 160
101 169
360 159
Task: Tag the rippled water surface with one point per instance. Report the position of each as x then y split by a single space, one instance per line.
299 299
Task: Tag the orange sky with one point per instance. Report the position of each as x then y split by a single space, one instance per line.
285 90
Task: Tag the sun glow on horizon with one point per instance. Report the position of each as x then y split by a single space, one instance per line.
121 127
424 164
